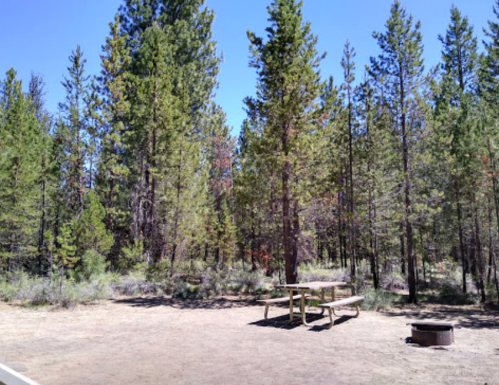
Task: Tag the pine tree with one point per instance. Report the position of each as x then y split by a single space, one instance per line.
113 170
174 65
64 256
490 78
154 113
287 89
90 230
74 134
220 185
19 175
349 77
454 104
367 111
46 181
400 64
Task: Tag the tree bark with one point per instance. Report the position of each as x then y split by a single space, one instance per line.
407 191
290 261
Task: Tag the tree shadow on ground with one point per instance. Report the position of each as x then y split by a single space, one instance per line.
466 317
190 303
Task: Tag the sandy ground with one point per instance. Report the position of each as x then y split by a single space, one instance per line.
224 341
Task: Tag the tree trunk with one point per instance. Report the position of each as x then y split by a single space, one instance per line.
407 191
289 258
479 258
462 249
41 232
491 242
351 232
177 210
402 248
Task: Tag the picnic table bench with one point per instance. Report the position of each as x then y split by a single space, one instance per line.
271 301
345 301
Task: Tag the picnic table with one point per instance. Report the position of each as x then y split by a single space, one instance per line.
303 288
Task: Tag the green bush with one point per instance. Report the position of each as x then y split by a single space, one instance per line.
41 291
310 272
452 295
392 281
247 281
491 291
185 290
158 272
92 264
376 299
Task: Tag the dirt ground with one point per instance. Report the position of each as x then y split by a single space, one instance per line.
224 341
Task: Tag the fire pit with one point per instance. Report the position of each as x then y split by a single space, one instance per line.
432 333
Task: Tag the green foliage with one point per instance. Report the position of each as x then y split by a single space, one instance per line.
185 290
20 172
89 229
65 252
93 264
158 272
40 291
452 295
112 169
393 281
347 182
314 272
376 299
73 132
132 256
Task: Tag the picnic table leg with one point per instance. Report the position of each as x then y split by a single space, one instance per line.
303 314
323 298
333 299
291 306
330 324
358 311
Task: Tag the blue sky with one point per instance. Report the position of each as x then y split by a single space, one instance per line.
39 35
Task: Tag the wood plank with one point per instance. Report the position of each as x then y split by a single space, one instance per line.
284 299
311 285
342 302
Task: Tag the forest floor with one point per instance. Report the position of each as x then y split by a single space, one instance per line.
162 340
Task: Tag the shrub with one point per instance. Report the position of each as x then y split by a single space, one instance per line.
491 292
376 299
452 295
247 281
135 283
393 281
41 291
185 290
158 272
93 264
313 272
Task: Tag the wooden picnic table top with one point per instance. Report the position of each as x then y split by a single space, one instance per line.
311 285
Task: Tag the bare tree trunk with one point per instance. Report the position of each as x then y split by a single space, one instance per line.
479 258
462 249
291 263
41 232
402 248
177 211
496 204
491 254
296 229
351 232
